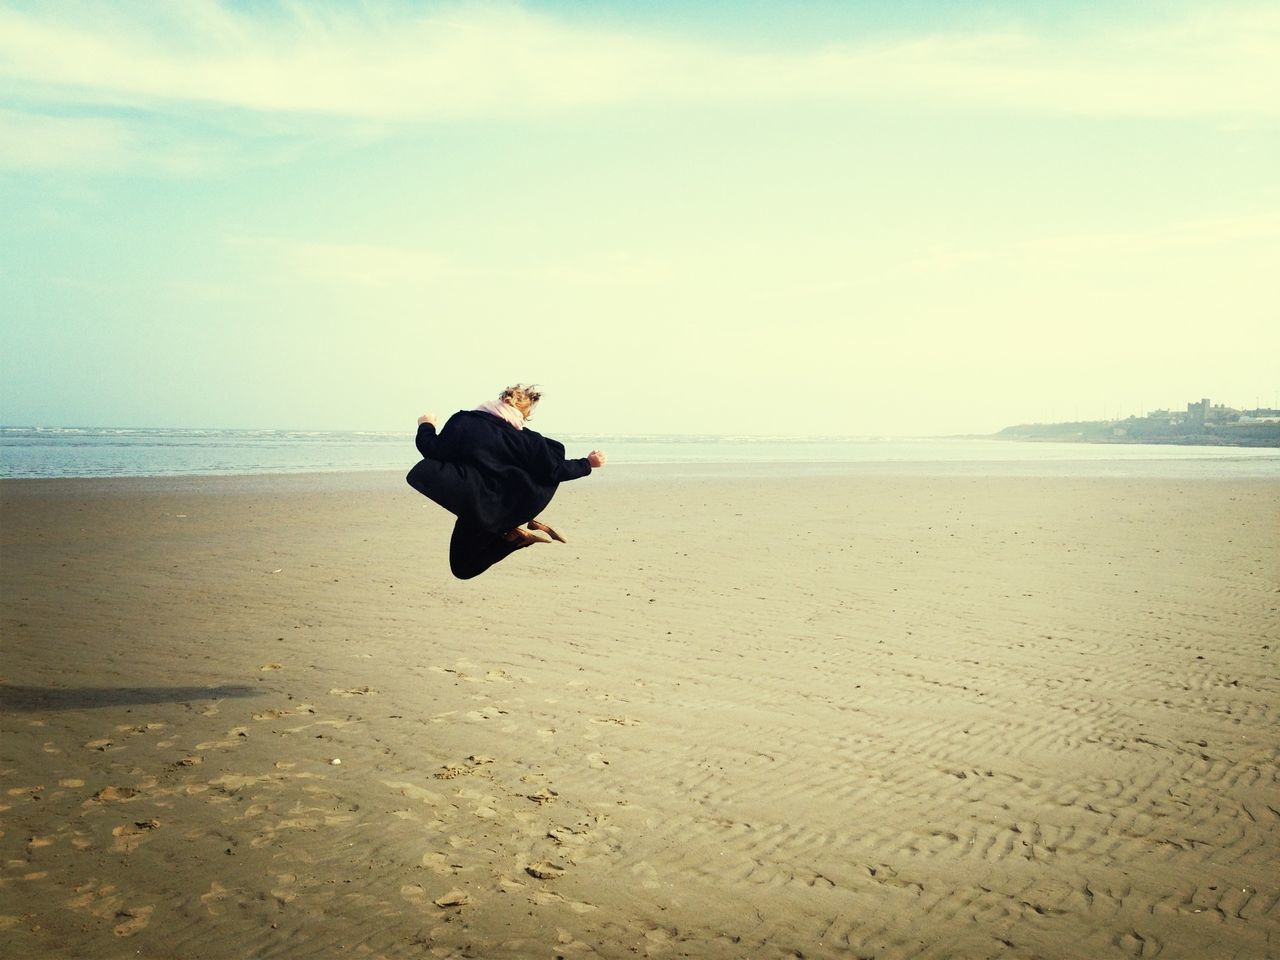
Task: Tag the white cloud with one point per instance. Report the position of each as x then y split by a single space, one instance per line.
1191 235
410 269
1244 237
353 264
35 141
468 60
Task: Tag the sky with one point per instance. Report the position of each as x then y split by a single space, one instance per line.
890 217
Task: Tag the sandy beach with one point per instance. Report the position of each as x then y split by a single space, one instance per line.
774 716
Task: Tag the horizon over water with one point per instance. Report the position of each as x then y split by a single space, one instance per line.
70 452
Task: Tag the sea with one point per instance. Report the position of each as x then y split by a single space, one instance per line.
60 452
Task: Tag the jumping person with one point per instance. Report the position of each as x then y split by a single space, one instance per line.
494 474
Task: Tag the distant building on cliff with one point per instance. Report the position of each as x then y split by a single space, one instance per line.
1202 423
1203 412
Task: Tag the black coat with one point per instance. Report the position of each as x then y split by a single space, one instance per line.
482 469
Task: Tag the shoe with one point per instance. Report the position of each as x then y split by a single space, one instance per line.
539 525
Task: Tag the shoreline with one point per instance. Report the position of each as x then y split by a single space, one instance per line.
1254 465
1197 441
947 456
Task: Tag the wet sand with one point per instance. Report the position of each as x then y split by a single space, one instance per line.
844 716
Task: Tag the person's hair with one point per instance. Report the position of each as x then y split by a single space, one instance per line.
522 396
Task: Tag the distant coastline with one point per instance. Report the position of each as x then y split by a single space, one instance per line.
1201 424
60 453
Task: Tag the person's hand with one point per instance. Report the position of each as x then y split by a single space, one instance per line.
597 459
428 418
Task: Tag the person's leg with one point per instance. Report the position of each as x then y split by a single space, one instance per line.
473 550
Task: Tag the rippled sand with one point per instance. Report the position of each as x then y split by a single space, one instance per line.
822 716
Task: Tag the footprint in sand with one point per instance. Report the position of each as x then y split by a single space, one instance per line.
509 885
412 791
454 898
568 943
460 672
87 894
105 903
648 875
353 692
232 782
543 897
452 770
273 714
130 836
442 863
568 836
213 899
283 890
113 795
139 728
419 897
473 766
414 894
134 919
234 737
545 870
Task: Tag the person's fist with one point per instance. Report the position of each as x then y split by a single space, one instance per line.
428 418
597 459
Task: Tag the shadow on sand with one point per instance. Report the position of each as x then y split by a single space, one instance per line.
36 699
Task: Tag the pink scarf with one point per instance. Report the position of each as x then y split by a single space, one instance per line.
504 411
